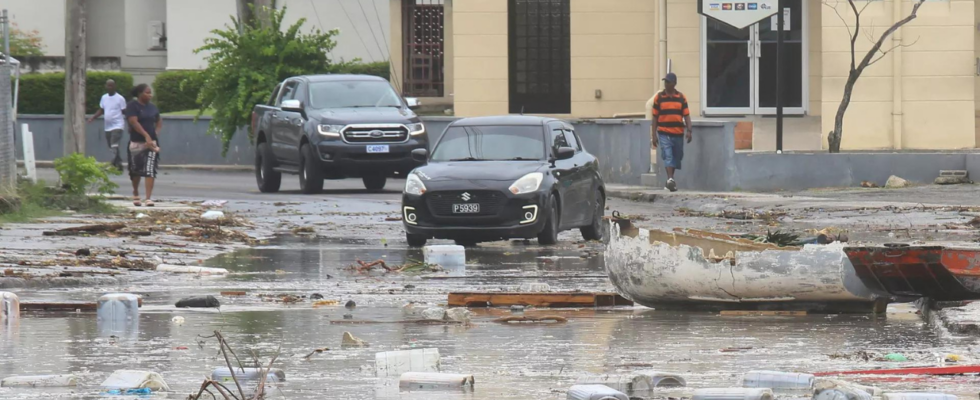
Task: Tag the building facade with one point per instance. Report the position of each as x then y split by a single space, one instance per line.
605 58
151 36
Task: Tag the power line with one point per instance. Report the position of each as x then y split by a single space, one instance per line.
391 68
363 43
381 26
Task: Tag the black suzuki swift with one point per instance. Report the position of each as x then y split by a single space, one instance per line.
508 177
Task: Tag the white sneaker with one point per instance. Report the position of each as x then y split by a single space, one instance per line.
671 185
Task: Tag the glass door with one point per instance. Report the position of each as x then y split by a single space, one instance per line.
793 71
729 74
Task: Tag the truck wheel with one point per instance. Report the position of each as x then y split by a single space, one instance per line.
267 178
415 240
310 175
595 230
549 235
375 183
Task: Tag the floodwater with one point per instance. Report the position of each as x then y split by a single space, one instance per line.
508 362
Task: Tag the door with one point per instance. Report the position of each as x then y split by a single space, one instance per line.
579 197
280 127
539 51
739 65
292 123
563 172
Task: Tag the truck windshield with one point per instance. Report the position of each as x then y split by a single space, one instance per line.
490 143
347 94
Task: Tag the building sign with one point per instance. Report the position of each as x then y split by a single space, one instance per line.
739 14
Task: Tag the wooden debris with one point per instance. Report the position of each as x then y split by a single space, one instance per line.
234 293
554 300
735 349
316 351
752 313
551 319
406 322
85 230
62 306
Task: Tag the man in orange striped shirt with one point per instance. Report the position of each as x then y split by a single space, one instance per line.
671 119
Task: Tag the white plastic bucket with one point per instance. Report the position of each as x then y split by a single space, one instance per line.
9 307
446 256
778 380
594 392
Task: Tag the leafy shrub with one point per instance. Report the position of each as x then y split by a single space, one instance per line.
378 68
177 90
45 93
79 174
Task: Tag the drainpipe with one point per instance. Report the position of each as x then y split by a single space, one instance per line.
662 23
897 114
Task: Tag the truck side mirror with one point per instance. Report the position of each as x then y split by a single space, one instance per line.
412 102
292 106
420 155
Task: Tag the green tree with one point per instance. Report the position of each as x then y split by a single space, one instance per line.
25 43
245 62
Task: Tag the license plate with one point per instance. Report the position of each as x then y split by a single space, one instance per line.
378 148
473 208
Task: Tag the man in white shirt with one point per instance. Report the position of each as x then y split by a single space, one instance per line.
112 106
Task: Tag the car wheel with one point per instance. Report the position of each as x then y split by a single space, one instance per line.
375 183
415 240
549 235
595 230
310 175
268 179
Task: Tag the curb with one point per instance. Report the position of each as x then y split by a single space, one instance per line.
191 167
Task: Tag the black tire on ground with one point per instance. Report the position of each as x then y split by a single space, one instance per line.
268 179
549 235
375 183
595 230
310 175
415 240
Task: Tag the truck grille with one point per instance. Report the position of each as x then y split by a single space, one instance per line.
376 134
441 203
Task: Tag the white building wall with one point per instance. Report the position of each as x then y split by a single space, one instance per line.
45 16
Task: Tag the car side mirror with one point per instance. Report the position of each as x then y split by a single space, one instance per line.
564 153
413 102
292 106
420 155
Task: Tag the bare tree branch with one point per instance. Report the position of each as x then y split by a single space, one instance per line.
881 41
260 391
857 29
221 342
846 26
885 52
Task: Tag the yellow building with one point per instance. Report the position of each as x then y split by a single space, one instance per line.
603 58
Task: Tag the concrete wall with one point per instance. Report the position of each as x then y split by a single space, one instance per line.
105 17
708 163
45 16
189 22
480 57
973 166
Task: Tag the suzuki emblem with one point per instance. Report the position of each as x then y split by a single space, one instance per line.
466 196
376 133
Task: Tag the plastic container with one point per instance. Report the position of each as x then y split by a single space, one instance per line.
446 256
118 307
223 375
595 392
39 381
918 396
842 392
395 363
733 394
9 307
435 381
128 379
778 381
639 382
187 269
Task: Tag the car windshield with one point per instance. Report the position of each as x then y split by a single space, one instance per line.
490 143
346 94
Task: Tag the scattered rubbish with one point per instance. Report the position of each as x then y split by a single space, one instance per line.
181 348
325 303
868 184
459 315
9 307
316 351
39 381
83 252
214 203
975 222
641 382
436 313
445 255
140 216
763 313
393 219
178 320
304 230
404 322
118 308
829 383
896 357
838 390
248 378
350 341
895 182
952 358
86 230
958 370
516 309
550 319
555 300
347 316
395 363
128 379
535 287
129 392
733 394
198 302
778 380
316 296
594 392
736 349
411 266
234 293
917 396
858 355
187 269
72 306
213 215
436 381
350 305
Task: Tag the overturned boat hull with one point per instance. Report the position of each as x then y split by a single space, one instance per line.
936 272
699 270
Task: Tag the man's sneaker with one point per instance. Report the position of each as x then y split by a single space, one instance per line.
671 185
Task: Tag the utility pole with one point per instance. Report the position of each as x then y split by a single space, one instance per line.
8 161
73 130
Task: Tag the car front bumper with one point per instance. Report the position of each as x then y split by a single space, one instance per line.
424 217
352 159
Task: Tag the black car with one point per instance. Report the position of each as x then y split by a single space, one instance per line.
509 177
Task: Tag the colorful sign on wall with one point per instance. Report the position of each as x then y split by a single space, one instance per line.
739 14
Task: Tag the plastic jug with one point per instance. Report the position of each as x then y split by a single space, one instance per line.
118 315
778 380
733 394
917 396
594 392
446 256
9 307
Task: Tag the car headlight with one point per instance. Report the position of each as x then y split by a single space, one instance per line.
414 185
330 130
416 129
528 183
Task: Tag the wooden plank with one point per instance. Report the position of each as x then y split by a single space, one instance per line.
234 293
554 300
62 306
751 313
958 370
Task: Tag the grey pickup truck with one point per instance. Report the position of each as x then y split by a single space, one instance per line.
335 127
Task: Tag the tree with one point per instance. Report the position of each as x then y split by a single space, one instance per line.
73 130
875 54
25 43
255 13
246 62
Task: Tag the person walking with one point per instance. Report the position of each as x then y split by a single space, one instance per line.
144 149
112 105
671 125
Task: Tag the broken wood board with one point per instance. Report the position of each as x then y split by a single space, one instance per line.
751 313
554 300
63 306
709 242
85 230
518 320
234 293
409 322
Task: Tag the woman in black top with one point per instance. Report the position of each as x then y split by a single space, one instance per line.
144 151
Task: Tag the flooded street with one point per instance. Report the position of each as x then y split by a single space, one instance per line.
508 362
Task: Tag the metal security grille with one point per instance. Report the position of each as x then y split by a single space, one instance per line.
540 60
422 31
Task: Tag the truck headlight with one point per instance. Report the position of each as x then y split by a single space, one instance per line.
416 129
330 130
528 183
414 185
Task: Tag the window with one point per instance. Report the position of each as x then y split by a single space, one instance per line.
288 91
572 140
353 94
423 32
540 57
484 143
275 94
